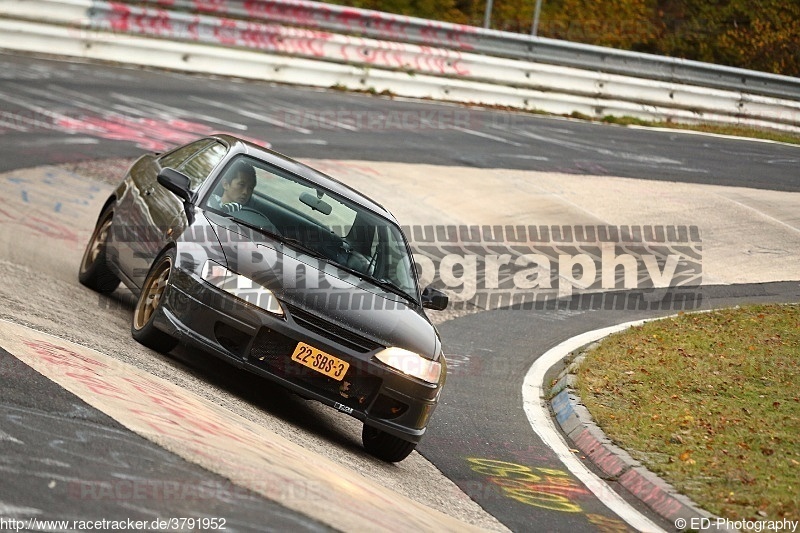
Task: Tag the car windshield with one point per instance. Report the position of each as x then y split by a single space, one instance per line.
314 219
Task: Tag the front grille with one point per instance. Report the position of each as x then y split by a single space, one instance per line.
355 391
332 331
272 351
271 347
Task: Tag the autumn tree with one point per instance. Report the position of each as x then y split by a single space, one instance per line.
760 35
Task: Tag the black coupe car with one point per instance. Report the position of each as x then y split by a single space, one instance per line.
281 270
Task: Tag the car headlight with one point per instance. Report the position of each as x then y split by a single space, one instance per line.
411 363
241 287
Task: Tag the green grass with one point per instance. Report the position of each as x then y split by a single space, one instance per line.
711 402
737 131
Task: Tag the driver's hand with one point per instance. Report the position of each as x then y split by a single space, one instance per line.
232 207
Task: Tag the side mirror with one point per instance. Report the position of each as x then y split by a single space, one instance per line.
434 299
176 182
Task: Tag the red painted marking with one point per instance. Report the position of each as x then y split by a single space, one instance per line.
279 465
119 17
606 461
60 356
184 410
98 385
211 6
149 134
651 494
586 442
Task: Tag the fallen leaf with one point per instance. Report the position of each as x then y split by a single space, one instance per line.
685 456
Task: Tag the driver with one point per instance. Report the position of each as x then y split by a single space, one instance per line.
237 188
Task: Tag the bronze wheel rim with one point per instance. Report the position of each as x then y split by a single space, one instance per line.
97 244
152 293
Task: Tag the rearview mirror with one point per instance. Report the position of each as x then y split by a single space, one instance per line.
316 203
434 299
176 182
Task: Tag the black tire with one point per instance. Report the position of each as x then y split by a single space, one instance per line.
149 305
94 272
384 446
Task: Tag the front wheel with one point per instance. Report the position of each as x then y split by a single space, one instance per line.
385 446
94 272
151 300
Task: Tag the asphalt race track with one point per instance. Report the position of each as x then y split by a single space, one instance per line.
52 106
88 453
66 458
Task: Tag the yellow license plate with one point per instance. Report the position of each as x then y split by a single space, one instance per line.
324 363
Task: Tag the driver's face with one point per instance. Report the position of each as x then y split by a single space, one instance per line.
239 190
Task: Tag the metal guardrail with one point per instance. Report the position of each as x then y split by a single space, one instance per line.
386 26
643 98
370 64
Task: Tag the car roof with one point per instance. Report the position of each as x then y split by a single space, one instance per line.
304 171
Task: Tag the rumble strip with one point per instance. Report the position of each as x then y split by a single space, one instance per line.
221 441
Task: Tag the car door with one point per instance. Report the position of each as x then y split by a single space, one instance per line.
168 210
153 209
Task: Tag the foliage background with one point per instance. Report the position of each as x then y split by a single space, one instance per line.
754 34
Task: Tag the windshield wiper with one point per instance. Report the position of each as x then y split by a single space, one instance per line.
297 243
383 284
391 287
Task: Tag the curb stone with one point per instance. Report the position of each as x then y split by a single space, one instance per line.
613 462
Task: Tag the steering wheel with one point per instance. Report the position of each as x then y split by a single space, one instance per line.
358 261
269 225
256 211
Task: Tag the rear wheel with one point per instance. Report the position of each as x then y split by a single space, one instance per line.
94 272
385 446
151 300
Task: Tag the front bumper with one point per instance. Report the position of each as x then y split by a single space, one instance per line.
262 343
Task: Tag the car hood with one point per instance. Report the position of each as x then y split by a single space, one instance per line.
303 281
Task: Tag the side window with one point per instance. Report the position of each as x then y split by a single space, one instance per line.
175 158
200 165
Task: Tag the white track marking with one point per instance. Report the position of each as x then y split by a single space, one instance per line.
13 121
170 112
485 135
317 116
647 159
318 142
7 509
539 417
523 156
49 141
33 107
5 437
251 114
760 213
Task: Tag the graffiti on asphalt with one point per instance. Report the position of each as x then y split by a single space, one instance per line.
546 488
